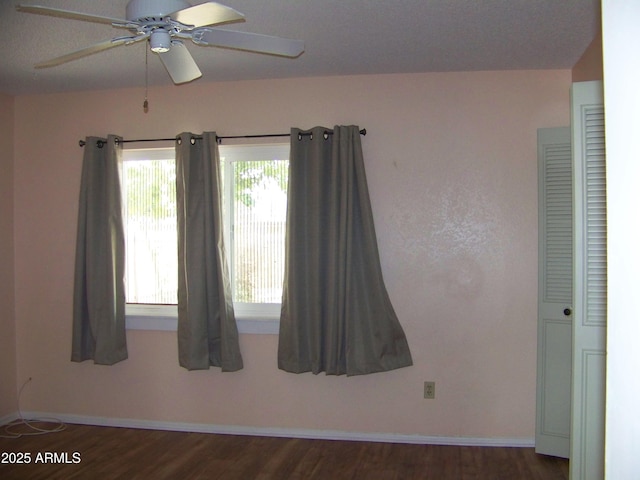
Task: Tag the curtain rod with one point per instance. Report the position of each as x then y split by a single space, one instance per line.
219 139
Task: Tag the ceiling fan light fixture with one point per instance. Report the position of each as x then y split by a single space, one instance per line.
160 41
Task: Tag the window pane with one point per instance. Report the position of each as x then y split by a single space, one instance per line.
259 218
149 190
255 206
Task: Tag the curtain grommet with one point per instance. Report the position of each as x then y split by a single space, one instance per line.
299 136
100 143
326 135
179 141
193 140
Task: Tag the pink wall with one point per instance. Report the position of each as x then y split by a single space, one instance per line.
589 66
451 164
7 321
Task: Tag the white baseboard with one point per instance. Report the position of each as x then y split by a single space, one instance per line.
9 418
284 432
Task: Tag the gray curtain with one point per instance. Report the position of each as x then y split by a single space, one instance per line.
207 331
98 303
336 313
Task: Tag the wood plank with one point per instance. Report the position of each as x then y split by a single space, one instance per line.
109 452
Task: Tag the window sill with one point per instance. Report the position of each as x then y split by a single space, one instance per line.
262 319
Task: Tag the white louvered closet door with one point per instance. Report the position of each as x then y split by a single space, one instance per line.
555 291
590 282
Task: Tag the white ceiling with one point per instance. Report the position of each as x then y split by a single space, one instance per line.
342 37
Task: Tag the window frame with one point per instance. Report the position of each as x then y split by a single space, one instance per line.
250 317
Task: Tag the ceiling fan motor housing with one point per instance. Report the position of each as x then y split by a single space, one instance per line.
153 10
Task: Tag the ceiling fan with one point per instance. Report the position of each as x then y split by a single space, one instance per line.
166 23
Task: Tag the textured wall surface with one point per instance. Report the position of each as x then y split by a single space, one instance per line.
7 323
589 66
451 164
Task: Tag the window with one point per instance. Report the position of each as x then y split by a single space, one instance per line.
254 204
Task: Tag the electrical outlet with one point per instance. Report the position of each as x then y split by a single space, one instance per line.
430 390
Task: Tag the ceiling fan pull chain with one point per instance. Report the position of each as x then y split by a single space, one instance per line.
145 105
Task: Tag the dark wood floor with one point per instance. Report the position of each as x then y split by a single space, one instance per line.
121 453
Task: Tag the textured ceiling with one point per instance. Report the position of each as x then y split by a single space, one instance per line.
342 37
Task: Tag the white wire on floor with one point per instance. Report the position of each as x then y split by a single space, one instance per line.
31 426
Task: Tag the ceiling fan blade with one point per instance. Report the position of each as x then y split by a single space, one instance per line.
209 13
56 12
179 63
252 42
98 47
